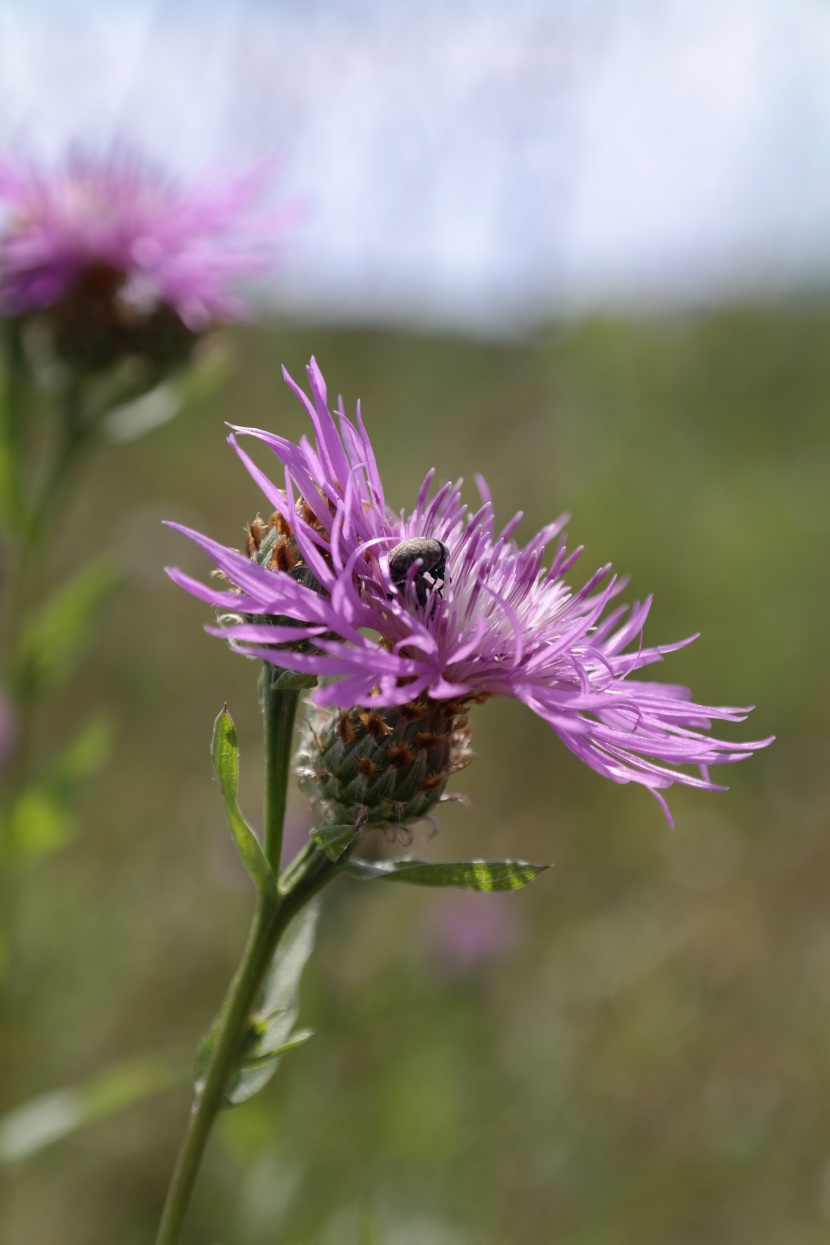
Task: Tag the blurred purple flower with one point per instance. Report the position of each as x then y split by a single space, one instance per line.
495 622
465 928
119 217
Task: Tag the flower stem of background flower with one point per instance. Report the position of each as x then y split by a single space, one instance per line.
14 377
18 568
301 883
35 508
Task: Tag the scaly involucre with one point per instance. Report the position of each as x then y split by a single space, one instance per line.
500 623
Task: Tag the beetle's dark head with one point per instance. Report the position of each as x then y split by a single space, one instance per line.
430 555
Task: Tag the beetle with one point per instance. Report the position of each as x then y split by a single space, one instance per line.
431 554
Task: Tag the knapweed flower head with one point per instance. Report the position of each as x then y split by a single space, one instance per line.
432 609
121 258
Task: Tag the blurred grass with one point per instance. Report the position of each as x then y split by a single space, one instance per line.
648 1060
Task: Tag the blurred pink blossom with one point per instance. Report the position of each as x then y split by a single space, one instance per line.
467 928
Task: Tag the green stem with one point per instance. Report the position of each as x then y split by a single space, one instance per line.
26 561
12 422
31 509
279 709
307 875
75 435
269 924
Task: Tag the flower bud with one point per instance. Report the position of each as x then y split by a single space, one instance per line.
384 767
95 326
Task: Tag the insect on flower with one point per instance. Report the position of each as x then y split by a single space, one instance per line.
505 623
429 558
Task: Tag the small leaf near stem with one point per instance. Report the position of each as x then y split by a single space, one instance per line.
225 754
271 1029
57 631
334 839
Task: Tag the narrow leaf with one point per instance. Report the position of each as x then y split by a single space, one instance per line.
55 637
50 1117
83 755
40 824
42 818
291 680
475 875
272 1031
138 412
334 839
255 1073
297 1039
225 753
282 986
134 419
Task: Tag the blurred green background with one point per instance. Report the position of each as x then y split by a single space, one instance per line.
637 1047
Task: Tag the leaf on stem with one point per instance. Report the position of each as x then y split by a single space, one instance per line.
334 839
289 680
474 875
50 1117
43 814
55 636
225 753
133 415
272 1031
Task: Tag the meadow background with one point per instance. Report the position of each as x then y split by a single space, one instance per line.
583 248
637 1048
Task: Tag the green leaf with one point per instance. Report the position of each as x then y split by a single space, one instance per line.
40 824
255 1063
272 1031
83 755
334 839
55 637
42 818
474 875
130 420
291 681
50 1117
133 414
225 753
370 1230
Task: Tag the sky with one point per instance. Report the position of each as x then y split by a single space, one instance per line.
484 164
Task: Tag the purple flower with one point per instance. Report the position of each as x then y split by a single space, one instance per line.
466 929
118 219
494 621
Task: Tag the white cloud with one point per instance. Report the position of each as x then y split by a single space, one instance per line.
483 163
